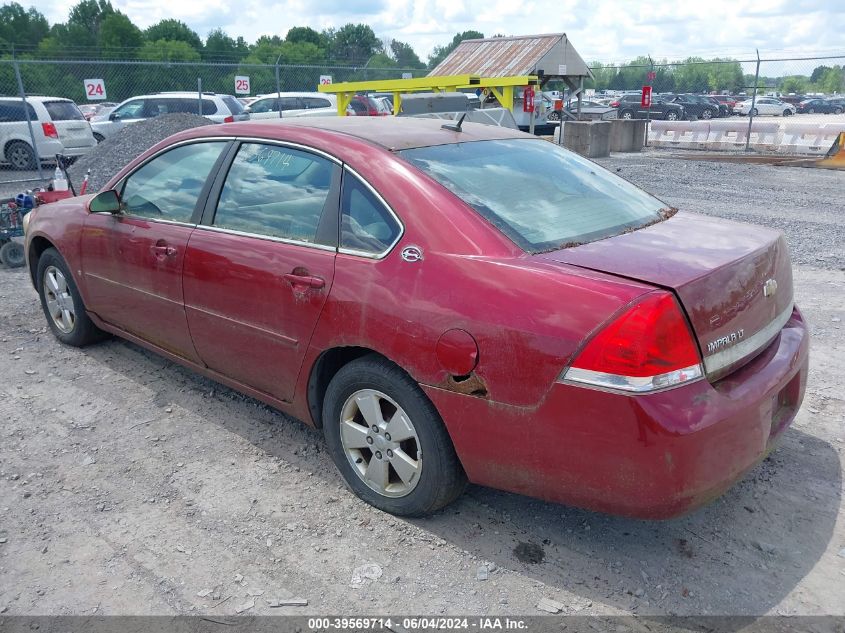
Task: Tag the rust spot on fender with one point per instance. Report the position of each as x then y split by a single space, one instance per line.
471 385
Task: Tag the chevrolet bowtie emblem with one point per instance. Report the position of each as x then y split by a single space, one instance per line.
770 288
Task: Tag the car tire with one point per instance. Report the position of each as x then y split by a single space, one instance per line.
811 111
20 156
752 112
401 482
62 303
787 112
553 116
707 114
671 116
12 254
626 115
837 111
99 137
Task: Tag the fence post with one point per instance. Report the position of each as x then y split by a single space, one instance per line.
278 87
28 120
753 102
199 95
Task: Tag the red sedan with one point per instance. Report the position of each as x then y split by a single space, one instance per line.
448 305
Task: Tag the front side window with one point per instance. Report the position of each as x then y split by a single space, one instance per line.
540 195
365 223
264 105
131 110
275 191
169 186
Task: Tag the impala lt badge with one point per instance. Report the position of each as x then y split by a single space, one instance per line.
770 288
725 341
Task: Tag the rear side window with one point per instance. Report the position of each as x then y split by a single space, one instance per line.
275 191
13 112
169 186
235 106
366 226
63 111
540 195
316 102
289 103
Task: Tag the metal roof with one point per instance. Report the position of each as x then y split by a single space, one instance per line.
519 55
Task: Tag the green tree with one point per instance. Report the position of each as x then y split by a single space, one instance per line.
354 44
440 52
832 80
21 27
88 15
794 83
305 34
220 47
119 37
168 51
818 73
173 31
404 55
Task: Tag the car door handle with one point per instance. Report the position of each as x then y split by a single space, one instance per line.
305 280
162 250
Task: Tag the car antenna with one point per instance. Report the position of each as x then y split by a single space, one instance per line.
457 126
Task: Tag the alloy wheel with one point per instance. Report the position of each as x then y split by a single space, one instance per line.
59 300
381 443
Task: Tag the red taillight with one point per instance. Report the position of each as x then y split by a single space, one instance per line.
229 119
50 130
614 104
648 347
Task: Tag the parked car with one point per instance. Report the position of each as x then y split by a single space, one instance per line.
364 105
218 108
57 124
698 106
728 101
90 110
812 106
366 275
630 107
292 104
765 105
838 104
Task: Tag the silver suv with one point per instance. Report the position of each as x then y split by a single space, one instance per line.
57 124
218 108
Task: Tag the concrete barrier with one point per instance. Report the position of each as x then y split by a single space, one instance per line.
588 138
681 134
732 134
627 135
809 138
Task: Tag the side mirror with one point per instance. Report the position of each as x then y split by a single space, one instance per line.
105 202
248 110
114 116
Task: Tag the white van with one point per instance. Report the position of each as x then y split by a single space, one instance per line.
57 124
292 104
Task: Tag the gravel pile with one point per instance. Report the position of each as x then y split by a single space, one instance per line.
112 154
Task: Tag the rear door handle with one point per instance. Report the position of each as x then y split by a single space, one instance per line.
305 280
163 250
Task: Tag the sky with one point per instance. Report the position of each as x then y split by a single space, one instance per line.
605 31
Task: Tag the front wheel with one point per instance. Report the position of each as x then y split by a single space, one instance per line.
388 440
787 112
20 156
811 111
62 303
627 115
553 116
671 116
753 112
707 114
837 111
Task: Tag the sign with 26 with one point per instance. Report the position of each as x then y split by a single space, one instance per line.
325 80
241 85
95 89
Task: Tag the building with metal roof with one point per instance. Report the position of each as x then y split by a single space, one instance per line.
550 56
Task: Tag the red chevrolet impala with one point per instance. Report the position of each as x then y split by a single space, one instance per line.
448 305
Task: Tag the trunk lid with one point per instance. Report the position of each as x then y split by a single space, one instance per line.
734 281
73 130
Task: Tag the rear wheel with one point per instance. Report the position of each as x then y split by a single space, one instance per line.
707 114
20 156
388 440
62 303
627 115
753 112
811 110
671 116
12 254
787 112
553 116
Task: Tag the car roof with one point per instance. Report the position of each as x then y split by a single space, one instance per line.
37 98
294 94
392 133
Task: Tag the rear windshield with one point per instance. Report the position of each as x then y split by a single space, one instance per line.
63 111
235 106
540 195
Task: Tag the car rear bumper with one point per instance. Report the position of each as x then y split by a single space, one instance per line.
650 456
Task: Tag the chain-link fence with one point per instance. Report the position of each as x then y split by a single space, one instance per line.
747 86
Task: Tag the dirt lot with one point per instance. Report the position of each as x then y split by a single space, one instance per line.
129 485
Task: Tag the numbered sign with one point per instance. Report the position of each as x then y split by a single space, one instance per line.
325 80
241 85
95 89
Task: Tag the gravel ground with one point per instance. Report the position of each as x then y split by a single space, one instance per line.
116 151
129 485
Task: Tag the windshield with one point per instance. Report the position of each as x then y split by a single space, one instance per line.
540 195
